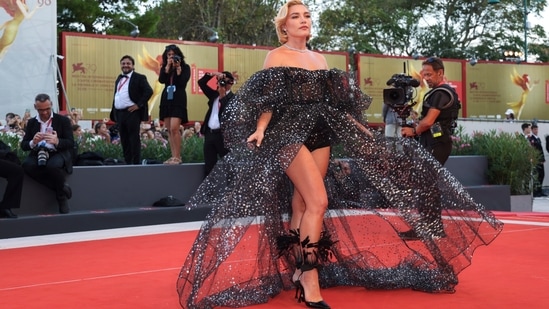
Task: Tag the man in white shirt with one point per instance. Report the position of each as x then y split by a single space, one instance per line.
211 129
129 107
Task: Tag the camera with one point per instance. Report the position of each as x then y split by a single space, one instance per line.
402 91
400 94
224 82
43 156
176 58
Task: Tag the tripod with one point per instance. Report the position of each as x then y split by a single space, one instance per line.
57 78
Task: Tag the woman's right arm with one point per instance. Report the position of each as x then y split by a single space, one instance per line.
162 75
259 133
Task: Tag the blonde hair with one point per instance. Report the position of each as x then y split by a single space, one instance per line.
280 20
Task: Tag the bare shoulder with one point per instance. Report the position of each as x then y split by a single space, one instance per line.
321 60
274 58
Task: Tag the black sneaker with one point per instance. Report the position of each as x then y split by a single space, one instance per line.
7 213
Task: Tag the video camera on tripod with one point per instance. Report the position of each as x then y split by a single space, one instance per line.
399 96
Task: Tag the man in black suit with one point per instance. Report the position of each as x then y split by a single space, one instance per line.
49 139
129 107
535 141
211 129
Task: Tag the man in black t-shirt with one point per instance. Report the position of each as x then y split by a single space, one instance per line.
438 114
438 119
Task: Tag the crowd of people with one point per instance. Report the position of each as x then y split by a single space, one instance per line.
104 129
14 123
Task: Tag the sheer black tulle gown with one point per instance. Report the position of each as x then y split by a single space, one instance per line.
376 191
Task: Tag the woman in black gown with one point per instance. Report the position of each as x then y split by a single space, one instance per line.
263 234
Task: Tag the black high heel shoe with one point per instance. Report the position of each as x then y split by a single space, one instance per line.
300 295
306 256
312 254
298 288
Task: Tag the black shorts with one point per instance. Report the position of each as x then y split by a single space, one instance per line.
320 136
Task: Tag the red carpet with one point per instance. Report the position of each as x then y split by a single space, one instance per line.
140 272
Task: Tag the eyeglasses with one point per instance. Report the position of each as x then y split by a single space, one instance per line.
171 47
435 62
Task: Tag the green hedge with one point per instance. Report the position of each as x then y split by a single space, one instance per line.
511 158
191 149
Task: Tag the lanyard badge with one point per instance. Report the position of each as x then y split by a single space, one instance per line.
170 90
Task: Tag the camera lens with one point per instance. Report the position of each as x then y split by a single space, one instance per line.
43 157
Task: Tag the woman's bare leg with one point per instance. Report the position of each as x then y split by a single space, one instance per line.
173 125
307 172
321 157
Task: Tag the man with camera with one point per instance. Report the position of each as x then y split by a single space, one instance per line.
49 138
211 129
439 112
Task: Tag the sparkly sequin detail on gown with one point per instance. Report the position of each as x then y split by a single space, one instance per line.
377 191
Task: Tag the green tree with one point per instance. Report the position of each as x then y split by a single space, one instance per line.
376 26
448 28
235 21
475 27
102 16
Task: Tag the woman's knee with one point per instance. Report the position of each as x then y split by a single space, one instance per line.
318 205
175 131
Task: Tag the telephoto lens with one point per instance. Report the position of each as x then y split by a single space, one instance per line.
43 157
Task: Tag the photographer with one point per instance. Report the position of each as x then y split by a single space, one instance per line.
438 119
211 129
175 75
439 112
49 138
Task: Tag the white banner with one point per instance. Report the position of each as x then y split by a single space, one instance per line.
28 50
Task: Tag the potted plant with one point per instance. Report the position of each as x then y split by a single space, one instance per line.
511 159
